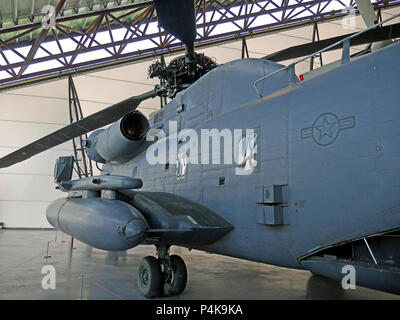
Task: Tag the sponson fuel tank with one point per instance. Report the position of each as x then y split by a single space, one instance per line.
100 223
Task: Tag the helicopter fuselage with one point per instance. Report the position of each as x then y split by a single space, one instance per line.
329 144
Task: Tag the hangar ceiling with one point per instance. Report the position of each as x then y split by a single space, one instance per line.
90 35
19 12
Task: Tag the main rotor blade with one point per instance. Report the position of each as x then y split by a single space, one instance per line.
178 18
367 12
76 129
379 34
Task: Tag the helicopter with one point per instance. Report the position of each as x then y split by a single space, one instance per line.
310 172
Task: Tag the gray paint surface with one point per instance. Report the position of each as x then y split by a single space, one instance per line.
332 140
349 187
331 143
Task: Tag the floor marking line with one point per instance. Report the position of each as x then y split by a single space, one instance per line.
105 289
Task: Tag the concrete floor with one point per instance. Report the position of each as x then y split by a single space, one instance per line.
109 275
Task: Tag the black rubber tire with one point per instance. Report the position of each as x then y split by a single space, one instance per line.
179 278
149 277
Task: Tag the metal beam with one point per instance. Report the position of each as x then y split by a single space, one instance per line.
315 38
83 165
15 3
246 18
38 41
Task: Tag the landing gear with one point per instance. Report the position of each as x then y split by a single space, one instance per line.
149 277
176 281
167 274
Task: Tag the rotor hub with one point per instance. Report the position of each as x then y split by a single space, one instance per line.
181 72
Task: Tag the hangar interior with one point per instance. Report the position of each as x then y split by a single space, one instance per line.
36 67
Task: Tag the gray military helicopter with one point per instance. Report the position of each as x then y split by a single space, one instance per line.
316 179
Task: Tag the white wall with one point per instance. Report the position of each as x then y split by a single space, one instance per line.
26 115
30 113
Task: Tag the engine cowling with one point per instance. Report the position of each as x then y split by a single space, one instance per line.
122 141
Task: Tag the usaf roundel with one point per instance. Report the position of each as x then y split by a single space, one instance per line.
326 128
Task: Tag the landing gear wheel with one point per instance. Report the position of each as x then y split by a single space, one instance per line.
176 282
150 277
